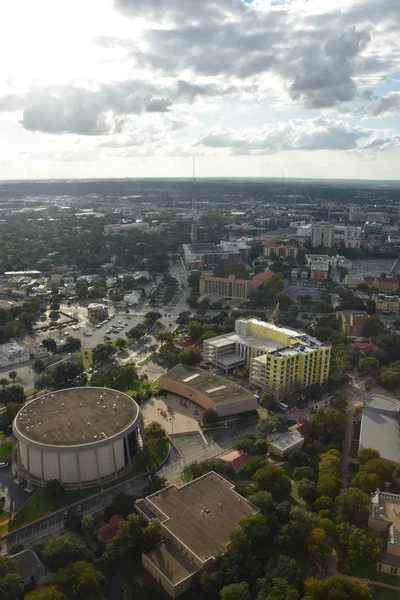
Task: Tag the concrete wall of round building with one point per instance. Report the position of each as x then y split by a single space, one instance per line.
78 466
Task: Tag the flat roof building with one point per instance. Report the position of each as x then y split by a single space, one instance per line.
196 520
202 256
208 390
353 321
80 436
282 444
384 518
280 359
380 426
227 287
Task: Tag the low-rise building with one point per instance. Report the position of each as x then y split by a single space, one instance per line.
387 304
319 269
282 444
13 353
380 427
353 321
126 227
236 458
203 256
97 312
259 279
382 284
107 532
227 287
133 298
30 567
196 522
208 390
279 250
384 518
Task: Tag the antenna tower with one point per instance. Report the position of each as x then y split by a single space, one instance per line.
193 231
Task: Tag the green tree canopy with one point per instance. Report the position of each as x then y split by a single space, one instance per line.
336 588
79 580
353 506
48 592
235 591
272 479
62 549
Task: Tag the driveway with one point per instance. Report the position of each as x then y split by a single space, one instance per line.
14 493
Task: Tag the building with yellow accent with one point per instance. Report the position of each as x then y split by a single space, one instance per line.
387 304
280 359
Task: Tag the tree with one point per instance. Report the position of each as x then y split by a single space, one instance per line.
367 454
120 343
197 469
306 489
154 431
12 394
103 353
369 366
62 549
366 482
263 501
353 506
272 423
373 327
318 543
304 473
323 503
195 330
272 479
79 580
54 315
53 489
4 381
298 458
260 447
152 317
245 442
257 530
116 377
130 532
50 345
49 592
38 366
210 416
380 467
269 402
72 344
89 526
190 356
122 504
329 424
278 589
335 588
235 591
11 583
359 546
13 375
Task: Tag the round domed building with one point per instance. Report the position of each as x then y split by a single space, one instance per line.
80 436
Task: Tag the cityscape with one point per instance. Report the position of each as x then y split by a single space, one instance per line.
200 300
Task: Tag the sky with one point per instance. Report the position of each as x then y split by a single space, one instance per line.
136 88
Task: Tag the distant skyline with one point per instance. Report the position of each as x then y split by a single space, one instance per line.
135 88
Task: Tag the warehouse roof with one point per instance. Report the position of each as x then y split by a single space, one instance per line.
76 416
201 514
219 389
172 562
379 427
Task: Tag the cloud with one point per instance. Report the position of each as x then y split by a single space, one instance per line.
158 105
299 134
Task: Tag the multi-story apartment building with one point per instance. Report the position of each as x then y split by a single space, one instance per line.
322 235
228 287
349 236
353 321
279 250
202 256
279 359
384 518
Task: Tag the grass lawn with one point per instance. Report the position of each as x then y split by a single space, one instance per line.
156 452
2 436
369 572
381 593
6 450
86 355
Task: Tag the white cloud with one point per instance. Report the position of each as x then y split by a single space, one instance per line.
299 134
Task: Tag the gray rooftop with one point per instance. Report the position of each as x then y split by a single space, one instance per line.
219 389
380 427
